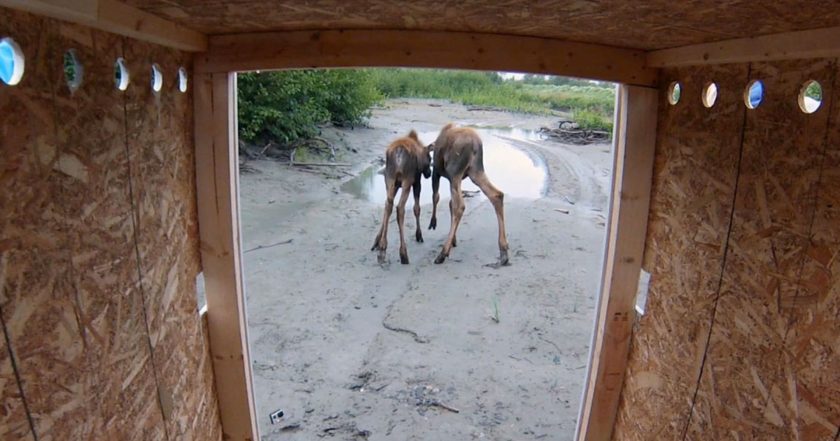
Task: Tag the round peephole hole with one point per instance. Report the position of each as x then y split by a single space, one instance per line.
754 94
674 93
121 76
157 78
73 70
810 96
11 61
182 80
710 93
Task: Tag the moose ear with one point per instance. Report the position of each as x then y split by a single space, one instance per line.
413 135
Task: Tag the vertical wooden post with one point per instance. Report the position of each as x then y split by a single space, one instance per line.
635 135
218 218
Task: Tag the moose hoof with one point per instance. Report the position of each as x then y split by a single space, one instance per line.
433 224
440 258
419 237
454 242
404 259
503 258
381 258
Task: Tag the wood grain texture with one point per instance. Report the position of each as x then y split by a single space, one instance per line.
217 182
649 24
163 175
812 341
749 382
407 48
772 359
694 182
115 17
72 298
630 201
24 179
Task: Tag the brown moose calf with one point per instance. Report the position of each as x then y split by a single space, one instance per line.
459 154
405 160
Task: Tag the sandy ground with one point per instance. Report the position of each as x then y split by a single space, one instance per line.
349 349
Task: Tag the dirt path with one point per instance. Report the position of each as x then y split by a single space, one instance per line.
351 350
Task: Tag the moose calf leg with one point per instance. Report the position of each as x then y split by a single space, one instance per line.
457 205
383 231
418 235
496 198
435 199
401 223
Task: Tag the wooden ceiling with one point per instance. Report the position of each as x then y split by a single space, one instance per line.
640 24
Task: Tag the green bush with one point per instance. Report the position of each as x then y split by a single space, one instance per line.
289 105
590 120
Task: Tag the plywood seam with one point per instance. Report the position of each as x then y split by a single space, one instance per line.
17 376
722 269
135 220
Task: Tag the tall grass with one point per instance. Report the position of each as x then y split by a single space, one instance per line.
590 106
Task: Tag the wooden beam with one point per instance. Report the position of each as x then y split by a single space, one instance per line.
814 43
217 186
411 48
118 18
632 177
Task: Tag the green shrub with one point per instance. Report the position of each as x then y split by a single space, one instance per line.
289 105
814 91
590 120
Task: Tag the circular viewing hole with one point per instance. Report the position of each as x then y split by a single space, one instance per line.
11 61
710 93
810 96
157 78
754 94
121 76
182 80
73 70
674 93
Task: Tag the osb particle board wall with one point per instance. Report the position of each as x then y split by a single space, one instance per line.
740 336
98 247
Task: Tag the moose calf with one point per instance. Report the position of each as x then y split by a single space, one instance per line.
459 154
405 160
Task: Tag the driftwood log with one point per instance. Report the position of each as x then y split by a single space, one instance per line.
571 133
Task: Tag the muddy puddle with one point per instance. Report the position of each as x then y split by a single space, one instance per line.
518 173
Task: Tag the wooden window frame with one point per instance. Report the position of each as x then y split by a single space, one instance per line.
218 186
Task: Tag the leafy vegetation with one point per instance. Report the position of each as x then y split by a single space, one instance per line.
289 105
814 91
593 103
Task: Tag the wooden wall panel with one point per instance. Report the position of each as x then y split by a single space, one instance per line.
812 342
161 146
694 178
24 180
13 421
40 311
649 24
747 380
115 362
771 367
72 300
